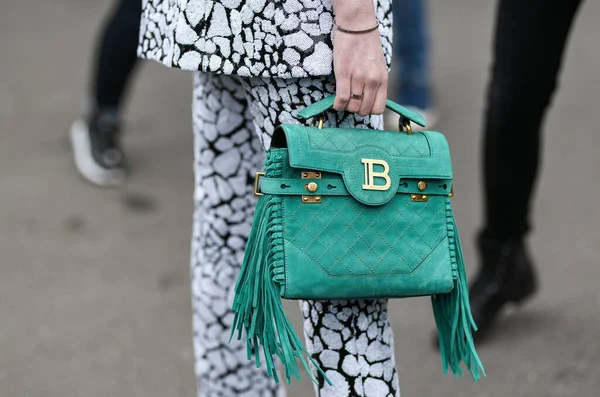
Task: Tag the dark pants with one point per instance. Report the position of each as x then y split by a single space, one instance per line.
411 52
116 54
529 44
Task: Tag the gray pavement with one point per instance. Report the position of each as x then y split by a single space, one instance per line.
94 297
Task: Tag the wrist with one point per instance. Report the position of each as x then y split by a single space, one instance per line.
356 31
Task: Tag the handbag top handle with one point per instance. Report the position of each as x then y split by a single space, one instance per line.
327 103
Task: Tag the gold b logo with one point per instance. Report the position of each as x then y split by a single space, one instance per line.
371 174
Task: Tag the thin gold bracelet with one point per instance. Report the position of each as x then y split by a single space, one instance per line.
338 27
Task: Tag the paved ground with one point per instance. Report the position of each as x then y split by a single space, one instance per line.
94 294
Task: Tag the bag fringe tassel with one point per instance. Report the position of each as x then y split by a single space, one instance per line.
454 320
257 304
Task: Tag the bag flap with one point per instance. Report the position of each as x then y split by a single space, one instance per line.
372 163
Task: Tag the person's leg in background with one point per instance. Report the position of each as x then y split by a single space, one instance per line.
412 87
95 138
530 40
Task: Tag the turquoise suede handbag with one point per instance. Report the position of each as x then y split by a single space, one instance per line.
353 214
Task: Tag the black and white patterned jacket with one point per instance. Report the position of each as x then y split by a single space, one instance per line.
268 38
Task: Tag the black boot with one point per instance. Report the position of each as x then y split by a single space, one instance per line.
506 276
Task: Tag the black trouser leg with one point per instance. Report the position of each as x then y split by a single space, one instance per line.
117 55
530 39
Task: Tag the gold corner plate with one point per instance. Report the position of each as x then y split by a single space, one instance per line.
311 200
311 175
419 198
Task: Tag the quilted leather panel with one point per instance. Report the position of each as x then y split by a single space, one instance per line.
344 237
329 139
306 281
424 154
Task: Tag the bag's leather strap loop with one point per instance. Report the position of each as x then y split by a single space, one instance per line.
327 103
336 187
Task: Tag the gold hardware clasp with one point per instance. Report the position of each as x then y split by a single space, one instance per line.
311 187
257 182
419 198
422 185
404 125
321 121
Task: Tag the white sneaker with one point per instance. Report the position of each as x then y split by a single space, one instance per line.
97 154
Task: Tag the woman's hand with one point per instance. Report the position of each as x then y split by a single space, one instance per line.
358 62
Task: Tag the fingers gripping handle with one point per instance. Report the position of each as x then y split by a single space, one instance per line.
327 103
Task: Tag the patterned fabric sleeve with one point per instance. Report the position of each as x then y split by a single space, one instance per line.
286 38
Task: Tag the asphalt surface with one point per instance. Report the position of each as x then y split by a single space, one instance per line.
94 296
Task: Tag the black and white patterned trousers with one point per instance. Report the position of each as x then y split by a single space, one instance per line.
233 122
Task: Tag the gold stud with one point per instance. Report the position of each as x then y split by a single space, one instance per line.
422 185
304 175
311 187
304 198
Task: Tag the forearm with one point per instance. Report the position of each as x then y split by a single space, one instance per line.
354 14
